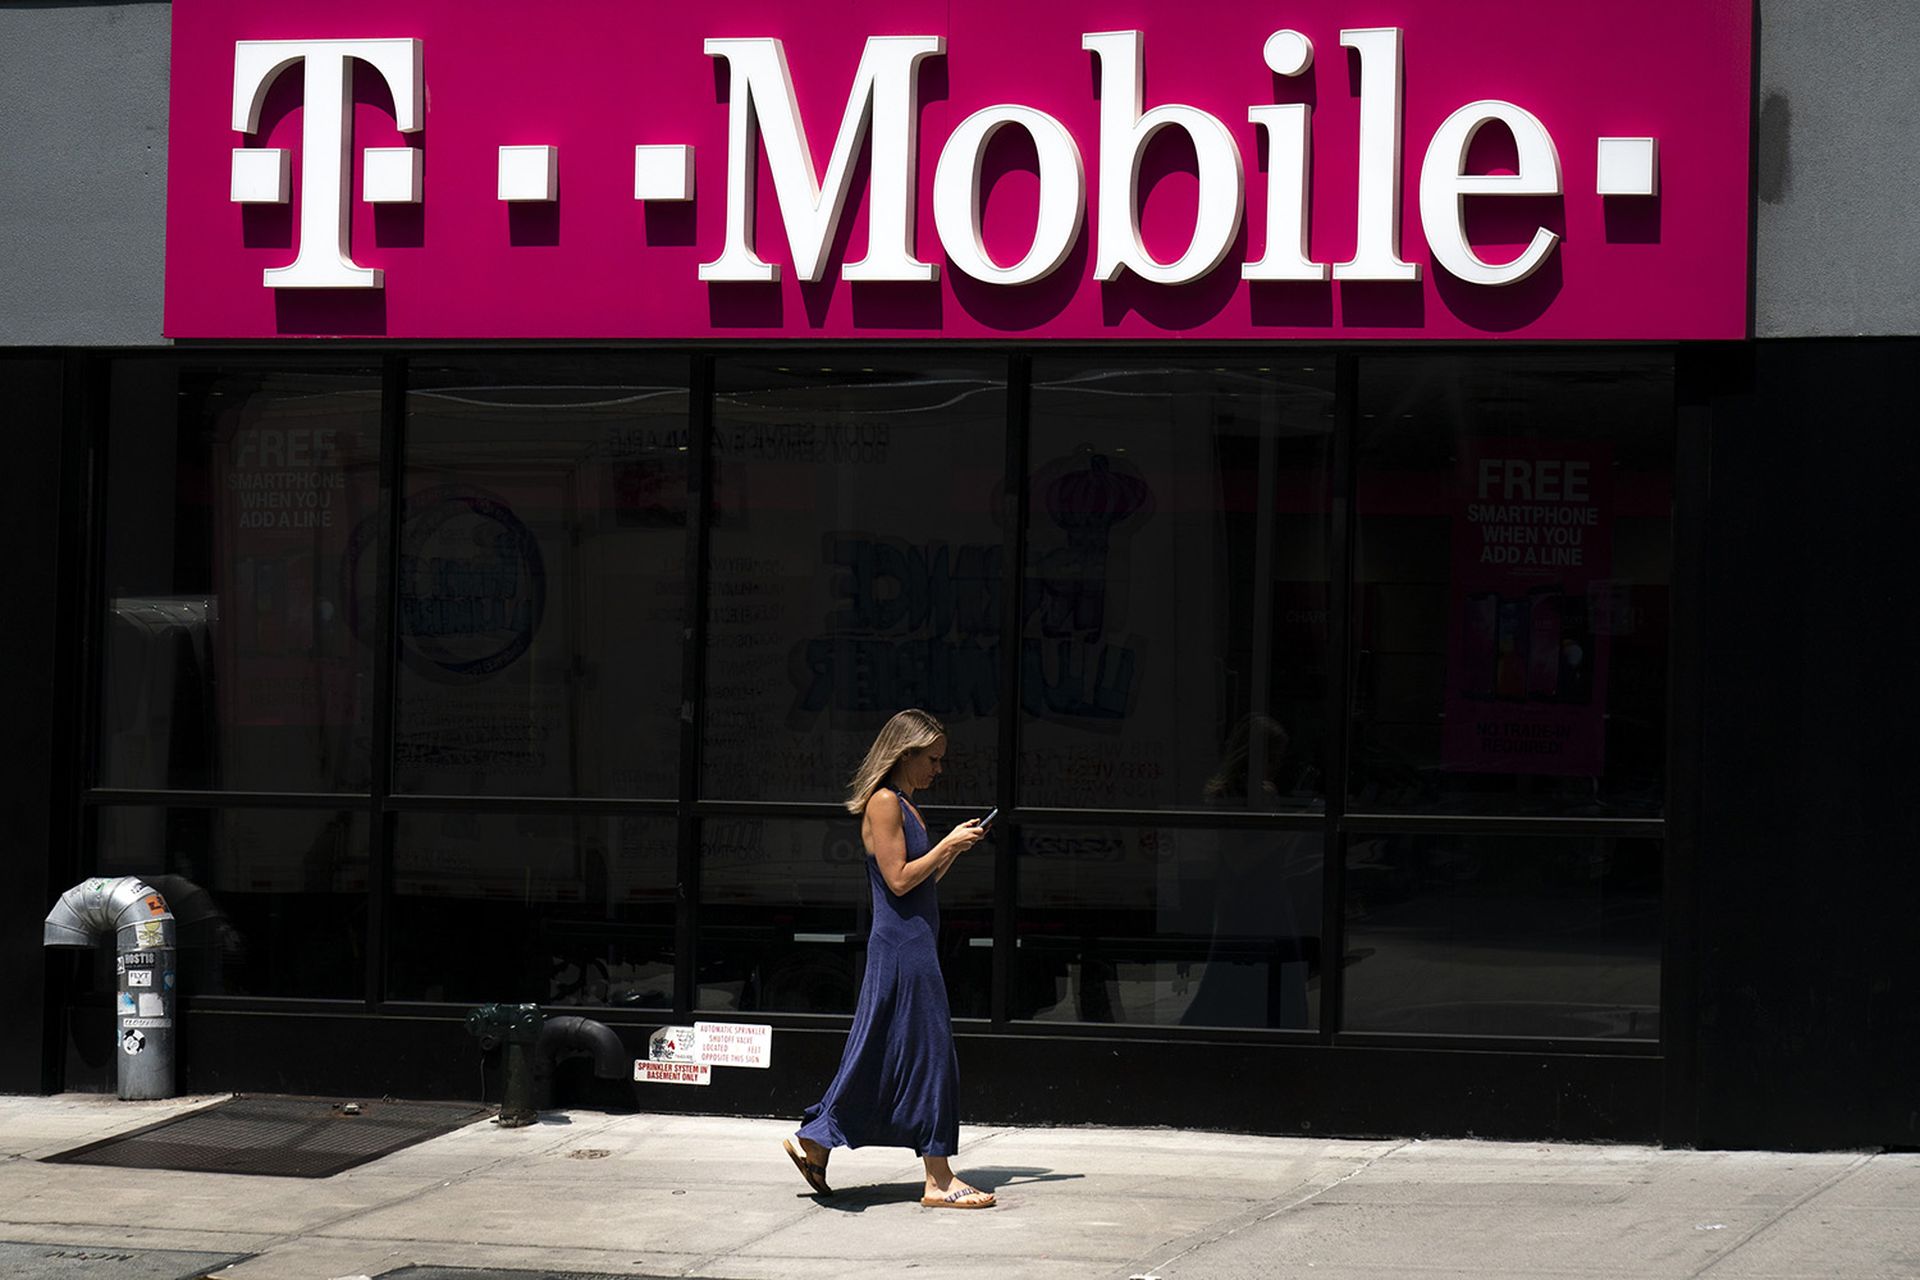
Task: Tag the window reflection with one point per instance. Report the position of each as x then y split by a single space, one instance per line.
553 910
1175 639
269 902
242 534
542 578
785 907
1167 926
1492 935
1514 552
856 566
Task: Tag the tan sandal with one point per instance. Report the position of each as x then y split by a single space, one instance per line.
961 1197
815 1174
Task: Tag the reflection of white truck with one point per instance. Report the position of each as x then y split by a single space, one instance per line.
159 652
160 731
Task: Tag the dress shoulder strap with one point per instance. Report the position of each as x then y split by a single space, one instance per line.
908 811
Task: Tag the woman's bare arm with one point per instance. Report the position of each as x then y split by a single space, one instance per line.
884 831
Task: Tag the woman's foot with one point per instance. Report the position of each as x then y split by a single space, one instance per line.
810 1158
955 1195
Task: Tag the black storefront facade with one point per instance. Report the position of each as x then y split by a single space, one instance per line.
498 671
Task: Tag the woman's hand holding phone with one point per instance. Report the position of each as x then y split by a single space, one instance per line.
966 835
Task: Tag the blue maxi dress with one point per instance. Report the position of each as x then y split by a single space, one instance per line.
899 1078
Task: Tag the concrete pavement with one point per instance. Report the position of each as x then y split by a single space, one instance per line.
703 1196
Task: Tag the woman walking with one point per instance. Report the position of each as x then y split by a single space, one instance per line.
898 1079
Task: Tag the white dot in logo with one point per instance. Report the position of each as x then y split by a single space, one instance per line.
1288 53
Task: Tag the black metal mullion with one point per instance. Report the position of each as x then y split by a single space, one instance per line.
80 612
82 602
393 461
693 676
556 806
1461 1043
1703 375
1212 820
1449 824
1343 541
802 809
100 797
1015 504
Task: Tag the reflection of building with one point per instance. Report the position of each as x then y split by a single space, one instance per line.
521 656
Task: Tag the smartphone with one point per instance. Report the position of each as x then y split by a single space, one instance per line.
988 820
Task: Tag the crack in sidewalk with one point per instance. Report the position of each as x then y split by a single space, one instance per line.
1233 1226
1778 1218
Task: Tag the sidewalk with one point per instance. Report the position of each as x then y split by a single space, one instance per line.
646 1195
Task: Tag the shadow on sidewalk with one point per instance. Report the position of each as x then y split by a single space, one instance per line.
861 1199
991 1178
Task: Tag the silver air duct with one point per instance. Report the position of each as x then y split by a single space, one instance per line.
136 916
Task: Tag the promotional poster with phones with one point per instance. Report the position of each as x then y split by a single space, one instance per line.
1531 603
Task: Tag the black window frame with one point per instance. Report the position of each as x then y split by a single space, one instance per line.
1338 823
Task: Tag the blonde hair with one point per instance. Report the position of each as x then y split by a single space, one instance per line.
1230 782
909 731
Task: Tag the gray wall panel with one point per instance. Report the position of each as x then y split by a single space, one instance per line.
83 173
1838 242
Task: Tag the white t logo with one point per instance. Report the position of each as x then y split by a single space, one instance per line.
326 140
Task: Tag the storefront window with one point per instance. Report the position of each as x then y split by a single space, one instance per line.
242 530
268 902
543 577
857 558
1514 555
1168 926
1174 643
785 906
1554 936
1511 556
553 910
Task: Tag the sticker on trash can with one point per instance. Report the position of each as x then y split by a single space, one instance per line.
139 977
133 1042
671 1044
645 1072
733 1044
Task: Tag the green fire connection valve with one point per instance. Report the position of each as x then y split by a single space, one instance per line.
516 1029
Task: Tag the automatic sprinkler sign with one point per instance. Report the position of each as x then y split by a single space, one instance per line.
687 1055
1253 178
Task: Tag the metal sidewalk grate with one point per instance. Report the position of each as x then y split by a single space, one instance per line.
22 1261
278 1136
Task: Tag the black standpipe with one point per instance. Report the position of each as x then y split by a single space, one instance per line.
532 1044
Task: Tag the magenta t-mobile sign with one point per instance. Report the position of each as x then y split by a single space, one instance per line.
968 169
